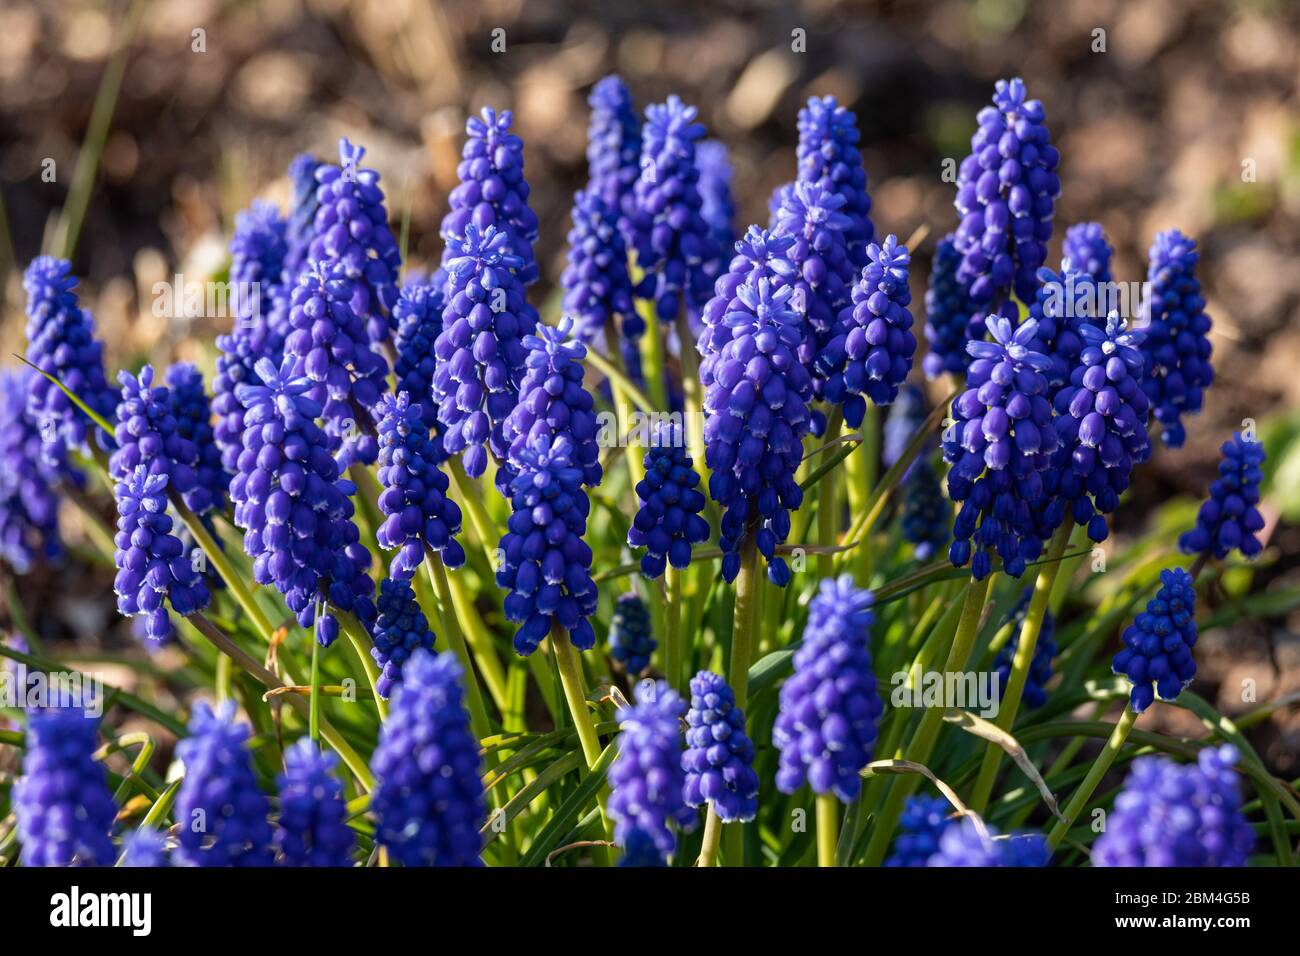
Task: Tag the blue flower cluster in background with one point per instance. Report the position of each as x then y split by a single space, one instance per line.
1157 652
631 642
1229 518
719 758
646 780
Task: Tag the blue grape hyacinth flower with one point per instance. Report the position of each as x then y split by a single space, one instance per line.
828 156
148 434
719 757
400 630
613 147
597 288
1086 250
146 848
923 821
668 522
951 319
29 500
826 726
631 642
963 844
193 412
717 207
647 782
927 515
418 316
312 829
1229 518
428 799
1157 653
303 205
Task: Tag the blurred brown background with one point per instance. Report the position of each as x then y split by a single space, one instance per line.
1154 132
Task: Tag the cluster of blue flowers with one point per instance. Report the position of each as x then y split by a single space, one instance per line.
950 317
668 521
826 727
29 503
719 757
631 642
193 412
716 204
1174 815
1157 653
828 156
1230 518
312 829
418 317
148 435
613 148
1086 250
963 844
400 630
923 821
647 780
597 288
926 518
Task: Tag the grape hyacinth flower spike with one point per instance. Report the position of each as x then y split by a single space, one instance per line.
1229 518
312 829
1157 654
428 799
613 148
828 157
719 757
193 412
419 517
964 843
400 630
631 643
647 782
668 522
951 319
418 315
826 726
923 822
1086 250
303 206
29 502
1000 443
148 435
927 515
716 206
597 288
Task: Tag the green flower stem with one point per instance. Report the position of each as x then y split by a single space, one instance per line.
361 645
922 743
673 629
712 838
1086 789
828 501
1024 657
471 500
655 365
742 640
575 694
694 401
868 456
622 406
270 681
480 642
828 812
450 627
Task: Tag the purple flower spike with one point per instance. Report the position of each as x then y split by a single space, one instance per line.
951 319
613 148
312 830
667 522
717 207
1086 250
1157 654
418 314
1229 519
828 157
962 844
646 780
401 630
596 285
719 757
630 642
29 503
193 412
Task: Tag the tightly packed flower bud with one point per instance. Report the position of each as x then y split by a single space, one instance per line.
999 445
480 351
258 267
1086 250
719 757
351 231
312 829
1006 198
329 342
546 563
1101 423
646 780
923 821
668 521
400 631
145 848
303 205
1169 814
418 315
596 283
418 515
927 514
962 844
1157 653
553 402
193 412
428 798
828 156
222 813
673 243
64 808
756 409
951 319
631 643
871 348
1040 668
613 147
293 506
826 727
1230 518
1177 344
148 434
152 566
29 504
492 191
717 207
61 341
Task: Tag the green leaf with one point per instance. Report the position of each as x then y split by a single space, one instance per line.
559 825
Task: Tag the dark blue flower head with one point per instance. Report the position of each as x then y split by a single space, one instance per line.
303 205
964 844
927 514
64 808
145 848
1086 250
595 281
418 515
630 641
221 812
193 412
61 341
828 156
492 191
673 243
401 630
418 315
293 506
717 207
351 231
951 319
756 409
428 799
1177 344
480 351
553 401
1040 668
1065 302
152 566
1101 422
871 348
826 728
613 146
331 348
719 757
1006 197
148 435
1157 654
1230 517
924 820
639 849
312 829
1169 814
546 563
1000 443
668 521
29 503
646 780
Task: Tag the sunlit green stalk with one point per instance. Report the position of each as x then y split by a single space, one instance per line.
361 645
471 500
654 357
1086 789
673 628
711 839
742 639
828 500
828 811
313 721
575 694
450 626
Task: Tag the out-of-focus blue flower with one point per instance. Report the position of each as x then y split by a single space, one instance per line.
923 821
303 205
719 757
717 206
613 147
29 503
596 284
951 319
400 631
828 156
646 780
1229 518
312 828
927 514
145 848
1086 250
630 641
193 412
1157 653
1040 668
418 315
962 844
668 521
